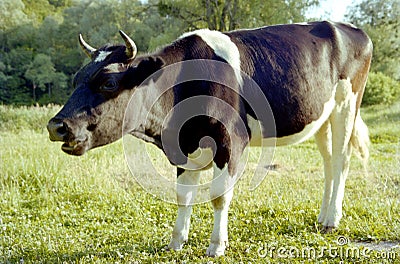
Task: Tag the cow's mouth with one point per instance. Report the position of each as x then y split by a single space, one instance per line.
75 147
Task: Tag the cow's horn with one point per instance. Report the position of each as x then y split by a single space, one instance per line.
89 50
131 49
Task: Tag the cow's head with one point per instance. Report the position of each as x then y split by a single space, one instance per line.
93 115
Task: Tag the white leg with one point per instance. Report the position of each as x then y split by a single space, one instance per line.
341 169
221 193
187 184
342 122
324 141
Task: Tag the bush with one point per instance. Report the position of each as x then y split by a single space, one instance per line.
381 89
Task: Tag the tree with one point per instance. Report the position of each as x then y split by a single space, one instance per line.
39 50
27 29
42 74
149 28
14 89
45 40
3 81
381 20
38 10
12 14
226 15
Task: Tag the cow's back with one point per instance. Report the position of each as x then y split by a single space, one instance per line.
298 65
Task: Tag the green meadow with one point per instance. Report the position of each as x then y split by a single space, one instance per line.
56 208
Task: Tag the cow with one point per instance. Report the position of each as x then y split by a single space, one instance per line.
312 75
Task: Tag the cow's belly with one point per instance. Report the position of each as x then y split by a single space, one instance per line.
308 131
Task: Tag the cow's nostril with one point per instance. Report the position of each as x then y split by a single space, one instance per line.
57 130
91 127
62 130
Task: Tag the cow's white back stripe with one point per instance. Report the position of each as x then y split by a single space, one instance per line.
222 46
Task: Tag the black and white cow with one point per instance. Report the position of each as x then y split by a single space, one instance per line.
312 74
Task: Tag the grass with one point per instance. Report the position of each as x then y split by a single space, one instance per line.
56 208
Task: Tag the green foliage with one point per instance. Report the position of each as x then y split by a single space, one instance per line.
12 14
42 74
381 20
39 47
381 89
233 14
40 70
39 50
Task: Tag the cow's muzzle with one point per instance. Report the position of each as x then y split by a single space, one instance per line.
73 144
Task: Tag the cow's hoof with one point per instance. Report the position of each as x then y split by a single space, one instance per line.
321 218
216 249
328 229
174 245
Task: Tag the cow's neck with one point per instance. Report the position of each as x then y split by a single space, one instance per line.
151 115
157 99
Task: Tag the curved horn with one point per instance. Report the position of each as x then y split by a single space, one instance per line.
89 50
131 49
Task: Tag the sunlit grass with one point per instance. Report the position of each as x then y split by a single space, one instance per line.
59 208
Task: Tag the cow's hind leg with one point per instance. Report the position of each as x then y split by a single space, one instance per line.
221 193
342 123
324 141
187 185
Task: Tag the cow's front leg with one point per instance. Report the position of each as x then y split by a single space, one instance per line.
186 188
221 193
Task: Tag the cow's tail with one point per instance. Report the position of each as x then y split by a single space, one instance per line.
360 140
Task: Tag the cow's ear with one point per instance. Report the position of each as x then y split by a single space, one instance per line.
149 66
135 75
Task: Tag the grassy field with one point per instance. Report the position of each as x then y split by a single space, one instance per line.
56 208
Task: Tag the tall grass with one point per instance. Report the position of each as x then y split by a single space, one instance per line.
34 118
59 208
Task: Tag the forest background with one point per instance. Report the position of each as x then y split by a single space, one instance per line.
39 51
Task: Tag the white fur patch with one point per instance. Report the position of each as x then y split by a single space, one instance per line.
323 138
187 186
112 68
221 193
349 24
308 131
200 159
102 56
342 122
222 46
303 23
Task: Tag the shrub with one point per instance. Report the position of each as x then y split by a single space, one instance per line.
381 89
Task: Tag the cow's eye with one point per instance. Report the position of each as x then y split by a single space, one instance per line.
109 85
